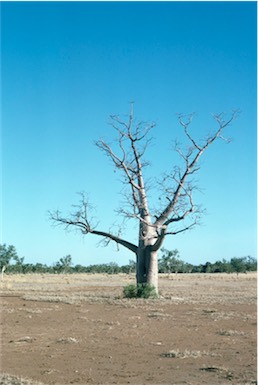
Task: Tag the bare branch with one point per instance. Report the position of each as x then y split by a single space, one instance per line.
129 161
79 220
160 239
183 229
176 211
191 159
118 240
185 125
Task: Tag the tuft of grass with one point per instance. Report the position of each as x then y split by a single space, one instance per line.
209 311
231 333
7 379
186 354
69 340
224 372
130 291
143 290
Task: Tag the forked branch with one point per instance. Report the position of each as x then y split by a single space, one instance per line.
178 186
79 220
129 159
191 159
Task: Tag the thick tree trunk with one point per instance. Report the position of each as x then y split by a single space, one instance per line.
147 258
141 265
152 269
147 267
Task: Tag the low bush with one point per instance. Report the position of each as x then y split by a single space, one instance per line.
143 290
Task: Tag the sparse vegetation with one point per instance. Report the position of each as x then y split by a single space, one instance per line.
139 291
187 354
230 333
179 329
170 262
223 372
7 379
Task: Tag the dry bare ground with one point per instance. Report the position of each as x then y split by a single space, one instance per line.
77 329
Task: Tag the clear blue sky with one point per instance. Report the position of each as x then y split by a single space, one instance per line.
66 66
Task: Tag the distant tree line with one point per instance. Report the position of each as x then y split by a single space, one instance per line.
170 262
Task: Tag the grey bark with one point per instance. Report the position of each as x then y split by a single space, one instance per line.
154 226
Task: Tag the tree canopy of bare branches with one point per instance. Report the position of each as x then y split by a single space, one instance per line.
128 157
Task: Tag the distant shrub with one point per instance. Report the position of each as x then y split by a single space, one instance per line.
139 291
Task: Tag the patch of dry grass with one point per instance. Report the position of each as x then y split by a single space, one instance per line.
205 289
7 379
25 339
221 371
68 340
230 333
187 354
158 314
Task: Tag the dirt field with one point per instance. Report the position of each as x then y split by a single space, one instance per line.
77 329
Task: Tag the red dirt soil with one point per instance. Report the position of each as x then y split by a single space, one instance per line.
123 341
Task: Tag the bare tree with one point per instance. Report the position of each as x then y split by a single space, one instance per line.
177 203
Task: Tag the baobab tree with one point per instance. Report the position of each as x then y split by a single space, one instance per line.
175 203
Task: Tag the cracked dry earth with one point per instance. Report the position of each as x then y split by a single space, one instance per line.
77 329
